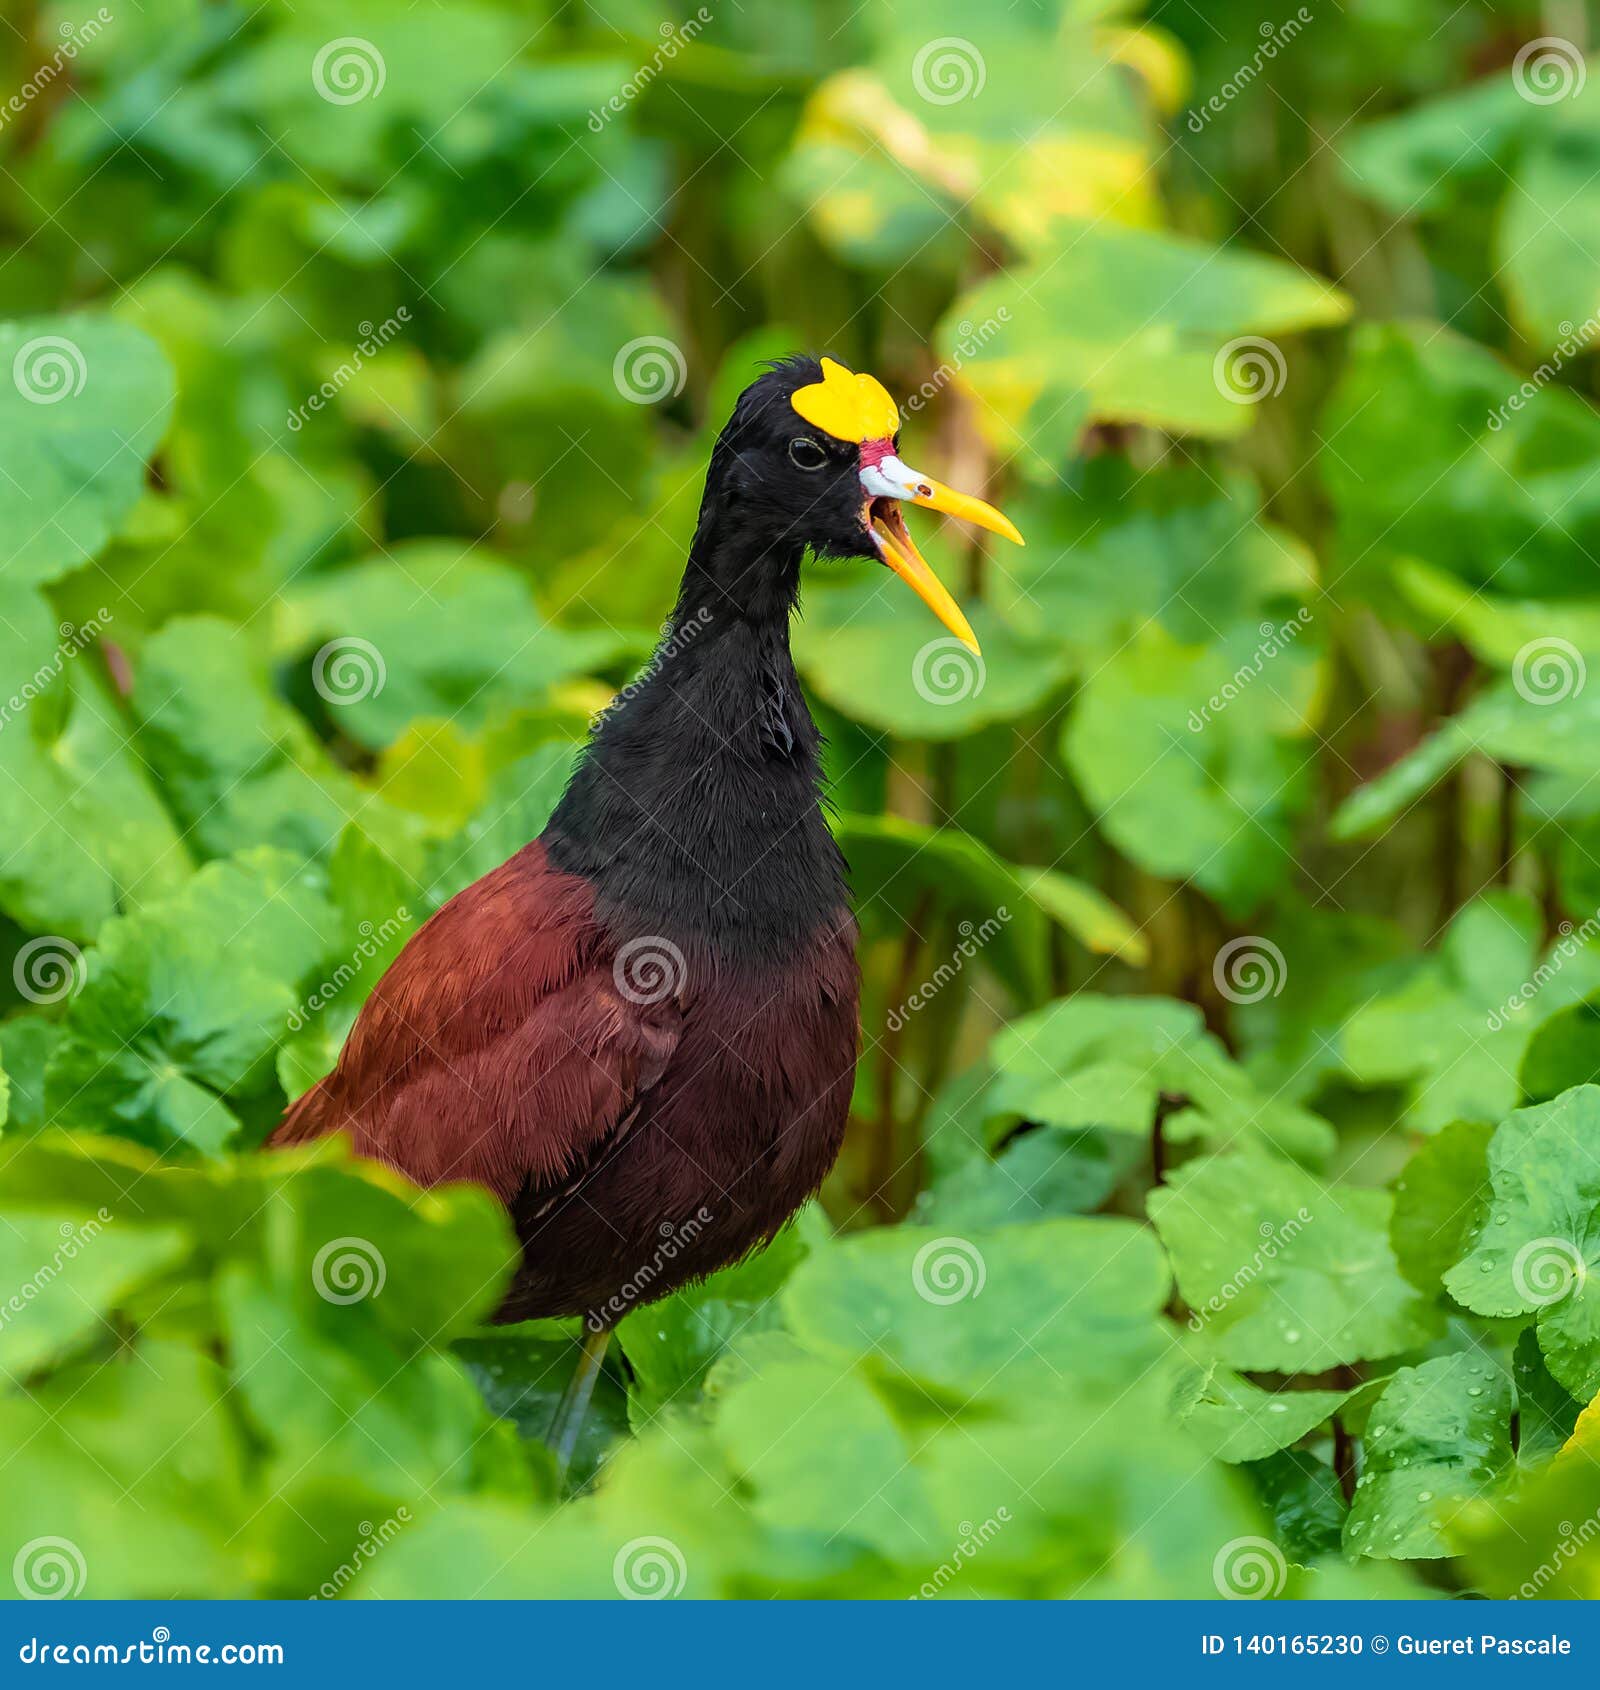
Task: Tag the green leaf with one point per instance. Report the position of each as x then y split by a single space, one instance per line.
672 1344
1563 1052
1004 910
1537 1542
1551 265
1334 962
1307 1505
1424 158
239 766
1037 1174
1095 1061
83 403
1546 1414
1087 914
871 650
1439 1202
1520 726
1238 1421
1536 1250
517 803
85 834
523 1375
69 1274
91 1436
1436 1438
1194 757
1133 321
429 630
1434 461
1043 127
326 1389
1528 138
1286 1274
1454 1032
377 907
185 1003
804 1417
1087 1493
1000 1314
1184 548
417 69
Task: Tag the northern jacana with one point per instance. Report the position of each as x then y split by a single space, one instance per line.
640 1032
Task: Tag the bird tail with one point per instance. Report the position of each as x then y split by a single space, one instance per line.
303 1120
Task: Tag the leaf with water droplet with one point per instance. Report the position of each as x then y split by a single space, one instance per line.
1436 1447
1545 1176
1287 1274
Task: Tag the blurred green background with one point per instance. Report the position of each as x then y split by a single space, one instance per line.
1231 1005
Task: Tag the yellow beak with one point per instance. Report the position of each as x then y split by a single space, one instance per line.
900 553
888 482
937 497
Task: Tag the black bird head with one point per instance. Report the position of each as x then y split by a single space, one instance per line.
810 458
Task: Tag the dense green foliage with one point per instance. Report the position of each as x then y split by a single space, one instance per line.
1224 1167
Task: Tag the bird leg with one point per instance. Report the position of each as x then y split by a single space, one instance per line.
573 1408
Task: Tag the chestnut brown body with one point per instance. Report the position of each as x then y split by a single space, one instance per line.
645 1123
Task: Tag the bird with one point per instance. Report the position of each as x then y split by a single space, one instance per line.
640 1033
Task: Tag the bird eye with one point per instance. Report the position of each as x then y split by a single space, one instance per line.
805 453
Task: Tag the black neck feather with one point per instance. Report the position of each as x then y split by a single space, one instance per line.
695 810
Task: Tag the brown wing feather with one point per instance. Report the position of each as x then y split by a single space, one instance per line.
497 1047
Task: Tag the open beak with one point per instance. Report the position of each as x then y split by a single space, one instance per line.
887 483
